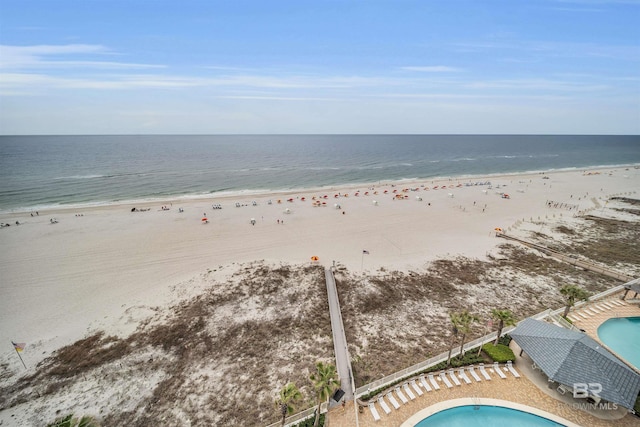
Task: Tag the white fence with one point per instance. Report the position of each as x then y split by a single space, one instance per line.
555 315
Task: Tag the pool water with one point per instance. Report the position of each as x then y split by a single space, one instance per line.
485 416
622 335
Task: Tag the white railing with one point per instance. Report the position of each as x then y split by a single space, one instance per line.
301 416
412 370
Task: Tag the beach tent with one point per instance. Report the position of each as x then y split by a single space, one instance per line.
571 357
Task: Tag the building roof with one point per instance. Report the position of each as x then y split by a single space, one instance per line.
633 285
571 357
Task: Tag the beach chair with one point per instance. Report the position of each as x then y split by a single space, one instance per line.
393 400
607 304
589 312
474 374
464 376
424 383
584 316
401 396
496 367
416 388
433 382
384 405
484 373
454 378
374 412
408 391
444 379
572 318
512 369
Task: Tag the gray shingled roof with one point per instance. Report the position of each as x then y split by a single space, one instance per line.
633 286
570 357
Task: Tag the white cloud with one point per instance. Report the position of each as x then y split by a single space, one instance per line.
432 69
48 57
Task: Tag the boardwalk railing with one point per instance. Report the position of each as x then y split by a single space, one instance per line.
442 357
555 315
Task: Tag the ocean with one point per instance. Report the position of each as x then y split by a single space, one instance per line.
38 172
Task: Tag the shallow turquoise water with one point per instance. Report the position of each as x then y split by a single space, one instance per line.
483 415
622 335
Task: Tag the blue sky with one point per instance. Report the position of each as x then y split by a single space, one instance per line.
296 66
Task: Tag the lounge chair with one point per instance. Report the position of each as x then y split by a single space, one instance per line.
416 388
424 383
484 373
615 302
464 376
572 318
512 369
454 378
393 400
589 312
474 374
374 412
433 382
401 396
384 405
496 367
445 380
607 304
408 391
584 316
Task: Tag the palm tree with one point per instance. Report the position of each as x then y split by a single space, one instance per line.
325 382
572 293
289 395
454 322
504 318
462 321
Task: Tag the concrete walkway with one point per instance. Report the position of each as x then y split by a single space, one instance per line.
343 364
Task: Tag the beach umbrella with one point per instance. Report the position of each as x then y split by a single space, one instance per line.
314 258
498 229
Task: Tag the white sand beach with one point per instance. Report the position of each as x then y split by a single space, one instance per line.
107 267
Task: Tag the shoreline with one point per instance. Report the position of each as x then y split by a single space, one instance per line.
234 194
106 267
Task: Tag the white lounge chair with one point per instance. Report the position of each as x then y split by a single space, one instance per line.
416 388
384 405
484 373
589 312
584 316
454 378
445 380
433 382
424 383
595 309
374 412
615 302
409 392
512 369
401 396
464 376
393 400
607 304
474 374
572 318
496 367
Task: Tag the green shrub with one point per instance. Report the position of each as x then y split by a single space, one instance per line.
309 422
505 340
499 353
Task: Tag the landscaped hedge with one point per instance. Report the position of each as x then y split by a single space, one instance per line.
309 422
505 340
499 353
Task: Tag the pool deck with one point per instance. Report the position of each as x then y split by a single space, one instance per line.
590 317
531 389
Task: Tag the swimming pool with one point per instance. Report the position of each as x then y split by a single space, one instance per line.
484 415
622 335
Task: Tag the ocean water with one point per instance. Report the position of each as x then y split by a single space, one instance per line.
48 171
